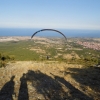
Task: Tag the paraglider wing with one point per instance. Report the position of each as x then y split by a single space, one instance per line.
48 30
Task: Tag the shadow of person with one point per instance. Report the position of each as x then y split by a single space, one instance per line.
46 86
7 90
88 77
75 94
23 91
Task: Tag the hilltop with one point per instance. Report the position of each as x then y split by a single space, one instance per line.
50 81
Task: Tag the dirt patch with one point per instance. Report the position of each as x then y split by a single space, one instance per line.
38 50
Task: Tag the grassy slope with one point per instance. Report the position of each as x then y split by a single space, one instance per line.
19 50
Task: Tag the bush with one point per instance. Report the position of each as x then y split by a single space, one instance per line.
2 64
4 59
99 61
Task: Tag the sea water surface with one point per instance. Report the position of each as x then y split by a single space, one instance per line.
66 32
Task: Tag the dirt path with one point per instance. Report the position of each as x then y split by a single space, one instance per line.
29 80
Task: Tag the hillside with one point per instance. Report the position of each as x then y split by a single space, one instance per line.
49 68
28 80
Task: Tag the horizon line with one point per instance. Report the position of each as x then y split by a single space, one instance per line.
48 28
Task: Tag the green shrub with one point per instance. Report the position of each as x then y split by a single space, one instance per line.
2 64
4 59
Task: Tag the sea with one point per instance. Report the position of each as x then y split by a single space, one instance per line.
67 32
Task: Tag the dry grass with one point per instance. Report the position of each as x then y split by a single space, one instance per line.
70 56
52 80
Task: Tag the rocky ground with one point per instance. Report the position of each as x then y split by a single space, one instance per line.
29 80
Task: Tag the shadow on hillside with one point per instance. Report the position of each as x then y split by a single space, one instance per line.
75 93
87 76
23 90
7 90
52 89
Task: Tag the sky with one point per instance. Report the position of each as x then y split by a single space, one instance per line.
63 14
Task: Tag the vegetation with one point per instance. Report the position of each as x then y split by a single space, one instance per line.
65 68
39 50
4 59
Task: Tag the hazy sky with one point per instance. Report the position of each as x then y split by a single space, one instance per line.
65 14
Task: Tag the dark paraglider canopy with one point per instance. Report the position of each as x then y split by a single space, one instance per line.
48 30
